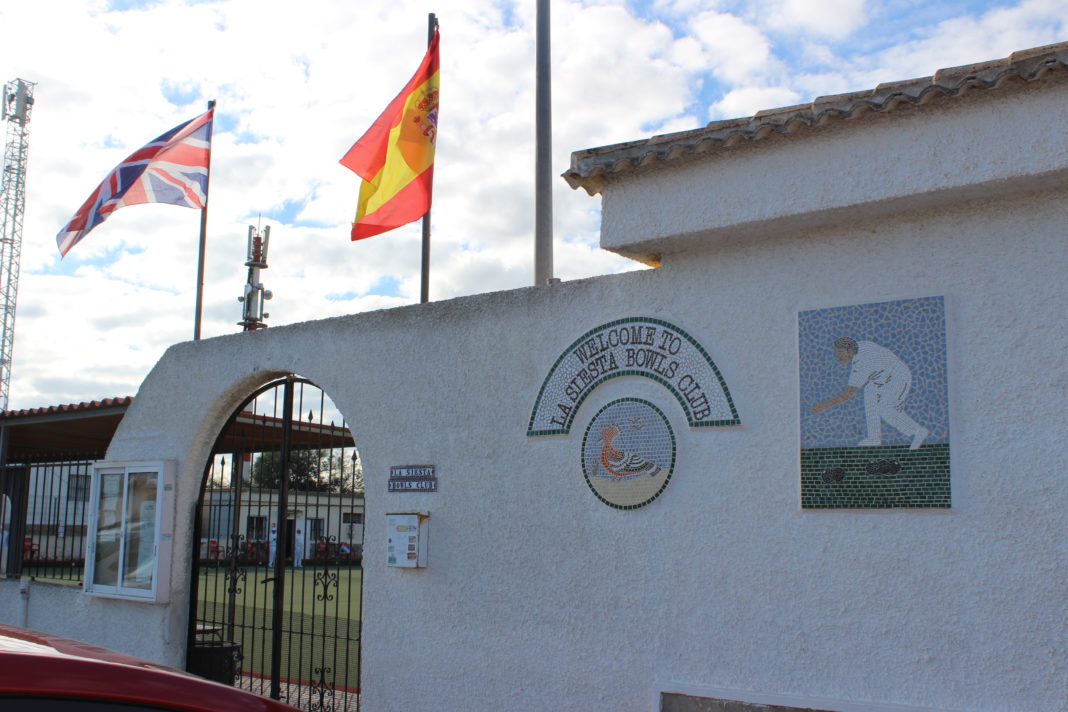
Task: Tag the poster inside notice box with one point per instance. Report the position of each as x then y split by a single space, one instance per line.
406 546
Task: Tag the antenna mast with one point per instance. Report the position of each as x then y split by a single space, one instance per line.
252 315
15 108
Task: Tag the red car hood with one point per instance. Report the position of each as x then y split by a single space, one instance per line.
42 665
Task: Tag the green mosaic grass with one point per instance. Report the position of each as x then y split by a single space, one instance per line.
921 482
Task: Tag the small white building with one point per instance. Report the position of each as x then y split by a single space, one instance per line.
329 520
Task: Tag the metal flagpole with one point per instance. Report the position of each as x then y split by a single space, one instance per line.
203 241
543 147
424 290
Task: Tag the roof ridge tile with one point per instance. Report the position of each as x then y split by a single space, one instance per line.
590 168
68 407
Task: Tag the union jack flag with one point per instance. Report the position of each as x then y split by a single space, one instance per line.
172 168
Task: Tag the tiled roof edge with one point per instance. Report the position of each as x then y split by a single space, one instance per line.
69 407
590 167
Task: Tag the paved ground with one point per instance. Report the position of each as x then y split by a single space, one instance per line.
306 697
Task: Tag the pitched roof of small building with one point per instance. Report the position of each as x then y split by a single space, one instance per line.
85 407
83 431
590 168
63 432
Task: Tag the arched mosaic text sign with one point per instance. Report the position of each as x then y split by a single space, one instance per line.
636 346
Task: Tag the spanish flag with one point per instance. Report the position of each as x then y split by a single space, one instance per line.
395 157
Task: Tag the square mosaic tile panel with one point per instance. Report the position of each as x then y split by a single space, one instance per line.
874 405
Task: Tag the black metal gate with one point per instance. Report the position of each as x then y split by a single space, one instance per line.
277 576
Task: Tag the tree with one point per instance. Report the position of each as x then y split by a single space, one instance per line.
305 471
309 471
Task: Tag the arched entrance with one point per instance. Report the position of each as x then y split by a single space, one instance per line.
277 576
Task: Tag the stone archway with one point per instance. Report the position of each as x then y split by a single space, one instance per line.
276 563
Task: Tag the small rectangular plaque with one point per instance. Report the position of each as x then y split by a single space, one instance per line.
413 478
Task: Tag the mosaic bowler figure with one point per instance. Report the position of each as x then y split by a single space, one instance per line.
886 382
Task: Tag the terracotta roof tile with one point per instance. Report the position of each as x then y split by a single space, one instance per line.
68 408
591 167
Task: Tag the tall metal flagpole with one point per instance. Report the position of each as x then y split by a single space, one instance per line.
543 141
203 242
424 290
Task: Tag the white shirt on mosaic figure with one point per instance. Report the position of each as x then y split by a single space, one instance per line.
886 381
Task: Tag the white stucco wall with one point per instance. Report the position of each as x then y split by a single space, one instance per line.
540 597
951 150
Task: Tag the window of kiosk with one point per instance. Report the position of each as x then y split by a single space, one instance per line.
125 531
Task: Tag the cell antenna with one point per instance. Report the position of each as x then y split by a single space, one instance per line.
252 315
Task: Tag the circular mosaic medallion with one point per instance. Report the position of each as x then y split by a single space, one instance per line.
628 453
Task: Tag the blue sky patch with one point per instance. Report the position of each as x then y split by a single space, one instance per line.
69 266
179 94
508 14
387 286
287 214
124 5
224 123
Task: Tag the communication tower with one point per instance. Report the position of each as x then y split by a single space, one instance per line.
252 315
15 107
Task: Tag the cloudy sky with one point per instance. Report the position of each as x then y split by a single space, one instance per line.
295 87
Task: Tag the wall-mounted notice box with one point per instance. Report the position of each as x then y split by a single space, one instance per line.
131 522
408 538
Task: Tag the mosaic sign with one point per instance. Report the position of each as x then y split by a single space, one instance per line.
874 405
637 346
628 453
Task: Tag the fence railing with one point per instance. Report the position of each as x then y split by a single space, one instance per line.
44 512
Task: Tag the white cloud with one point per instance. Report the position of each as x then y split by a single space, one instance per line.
683 8
737 50
739 103
960 40
295 89
828 18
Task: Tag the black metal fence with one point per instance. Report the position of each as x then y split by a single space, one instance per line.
278 562
44 511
